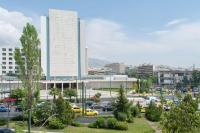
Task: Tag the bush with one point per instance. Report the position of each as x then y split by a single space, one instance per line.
20 123
121 126
111 123
2 122
92 125
76 124
18 129
100 122
121 116
18 118
130 120
134 111
153 113
55 123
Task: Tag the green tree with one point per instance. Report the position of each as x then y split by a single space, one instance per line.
18 94
63 110
42 113
122 105
28 60
70 93
132 73
182 118
54 92
195 78
153 112
185 81
97 97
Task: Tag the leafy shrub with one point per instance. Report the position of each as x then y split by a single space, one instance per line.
77 124
41 113
134 111
100 122
92 125
121 126
153 112
55 123
2 122
130 120
18 118
18 129
111 123
139 116
20 123
121 116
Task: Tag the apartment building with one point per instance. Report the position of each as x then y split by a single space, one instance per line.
7 61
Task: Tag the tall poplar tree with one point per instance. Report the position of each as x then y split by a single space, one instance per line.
28 60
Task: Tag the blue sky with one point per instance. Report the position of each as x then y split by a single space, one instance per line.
131 31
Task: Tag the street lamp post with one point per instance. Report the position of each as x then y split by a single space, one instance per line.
110 84
126 86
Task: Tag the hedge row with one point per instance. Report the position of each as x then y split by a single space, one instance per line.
110 123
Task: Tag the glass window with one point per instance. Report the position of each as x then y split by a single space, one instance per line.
10 49
4 58
3 67
3 62
11 54
3 49
10 67
10 58
3 53
10 63
3 71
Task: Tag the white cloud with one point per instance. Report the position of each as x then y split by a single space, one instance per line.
178 45
11 25
175 22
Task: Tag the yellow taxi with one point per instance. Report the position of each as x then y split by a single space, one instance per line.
91 112
143 110
76 109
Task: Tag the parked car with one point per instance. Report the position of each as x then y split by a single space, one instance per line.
108 107
143 110
90 103
96 106
91 112
18 109
76 109
4 109
166 107
6 130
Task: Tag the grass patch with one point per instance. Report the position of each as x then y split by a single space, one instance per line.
140 125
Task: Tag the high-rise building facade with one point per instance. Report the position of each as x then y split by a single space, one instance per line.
117 68
145 70
63 52
8 65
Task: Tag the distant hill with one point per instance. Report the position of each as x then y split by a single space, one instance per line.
97 63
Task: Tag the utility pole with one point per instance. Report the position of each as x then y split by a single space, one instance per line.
110 84
126 86
82 89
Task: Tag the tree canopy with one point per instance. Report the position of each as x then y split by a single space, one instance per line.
28 60
182 118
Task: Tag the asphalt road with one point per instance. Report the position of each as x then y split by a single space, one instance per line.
11 114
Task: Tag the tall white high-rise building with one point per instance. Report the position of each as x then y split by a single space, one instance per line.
63 54
8 65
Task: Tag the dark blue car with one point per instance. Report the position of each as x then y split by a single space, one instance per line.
6 130
4 109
